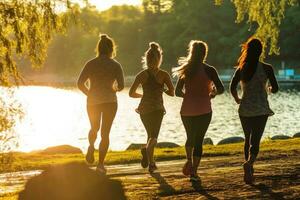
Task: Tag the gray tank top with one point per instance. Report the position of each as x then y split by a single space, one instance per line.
152 99
255 97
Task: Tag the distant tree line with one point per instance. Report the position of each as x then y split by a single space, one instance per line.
173 23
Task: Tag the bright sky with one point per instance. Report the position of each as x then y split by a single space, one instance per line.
105 4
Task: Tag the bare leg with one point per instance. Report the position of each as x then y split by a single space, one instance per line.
150 149
92 137
103 148
94 114
109 112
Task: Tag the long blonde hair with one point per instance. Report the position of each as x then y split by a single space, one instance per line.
153 56
197 53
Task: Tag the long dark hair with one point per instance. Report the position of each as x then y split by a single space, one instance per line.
249 58
197 53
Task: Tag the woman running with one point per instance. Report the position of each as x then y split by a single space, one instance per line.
151 107
200 83
104 76
254 109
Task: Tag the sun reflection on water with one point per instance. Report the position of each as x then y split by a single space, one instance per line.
55 116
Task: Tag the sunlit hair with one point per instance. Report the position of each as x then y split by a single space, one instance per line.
106 46
153 56
249 58
197 53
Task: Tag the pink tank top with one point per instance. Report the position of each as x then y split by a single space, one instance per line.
196 100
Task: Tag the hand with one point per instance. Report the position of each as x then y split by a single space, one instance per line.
269 89
238 100
115 87
213 93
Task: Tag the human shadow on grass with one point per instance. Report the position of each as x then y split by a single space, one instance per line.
198 188
164 187
290 177
266 191
72 182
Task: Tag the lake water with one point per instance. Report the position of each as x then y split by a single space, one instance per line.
55 116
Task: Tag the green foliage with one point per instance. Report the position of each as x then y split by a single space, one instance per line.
29 27
288 40
265 16
10 113
157 6
172 23
68 53
26 29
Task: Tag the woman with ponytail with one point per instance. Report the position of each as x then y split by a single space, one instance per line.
197 84
104 76
253 76
151 108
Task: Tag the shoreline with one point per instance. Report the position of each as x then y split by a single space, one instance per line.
59 81
292 82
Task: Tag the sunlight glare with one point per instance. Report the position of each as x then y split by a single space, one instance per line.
106 4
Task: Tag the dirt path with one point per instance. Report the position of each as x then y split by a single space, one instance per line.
277 177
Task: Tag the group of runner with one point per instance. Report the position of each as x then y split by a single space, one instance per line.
197 84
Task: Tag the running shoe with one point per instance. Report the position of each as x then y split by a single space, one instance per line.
101 169
248 176
144 161
152 167
195 178
187 168
90 155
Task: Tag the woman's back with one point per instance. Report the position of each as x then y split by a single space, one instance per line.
198 86
152 94
254 101
102 73
196 99
257 85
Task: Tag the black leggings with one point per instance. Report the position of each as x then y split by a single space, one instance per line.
253 129
196 127
152 122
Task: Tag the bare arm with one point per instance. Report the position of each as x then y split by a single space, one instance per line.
134 86
168 82
217 82
271 76
83 77
120 79
179 88
233 85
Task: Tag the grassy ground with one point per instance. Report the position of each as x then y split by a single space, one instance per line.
277 172
33 161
